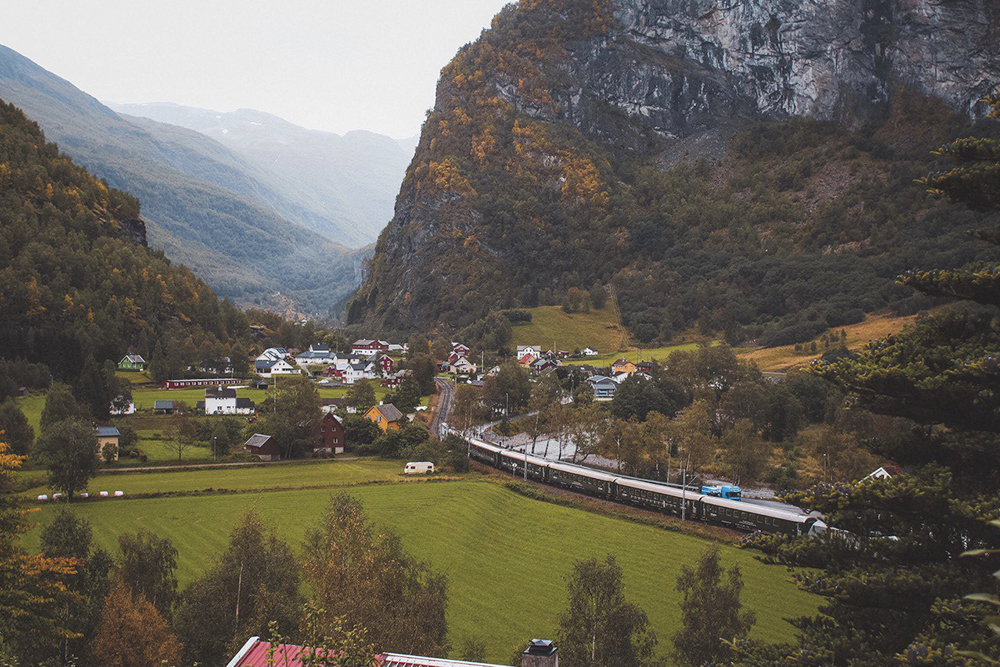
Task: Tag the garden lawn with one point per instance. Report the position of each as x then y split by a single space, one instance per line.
144 398
506 556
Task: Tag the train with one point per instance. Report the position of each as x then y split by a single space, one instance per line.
705 507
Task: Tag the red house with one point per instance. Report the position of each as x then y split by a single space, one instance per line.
331 436
366 346
387 364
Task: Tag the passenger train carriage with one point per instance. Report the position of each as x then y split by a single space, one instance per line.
669 499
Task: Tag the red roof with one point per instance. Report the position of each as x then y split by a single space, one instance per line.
254 654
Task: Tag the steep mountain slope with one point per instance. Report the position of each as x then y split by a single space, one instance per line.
76 277
206 206
565 148
348 183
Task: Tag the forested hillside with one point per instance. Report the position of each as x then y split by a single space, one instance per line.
230 221
76 278
706 161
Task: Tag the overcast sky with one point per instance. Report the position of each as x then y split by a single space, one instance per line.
334 65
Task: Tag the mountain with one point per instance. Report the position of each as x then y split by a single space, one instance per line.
348 183
743 167
76 277
205 206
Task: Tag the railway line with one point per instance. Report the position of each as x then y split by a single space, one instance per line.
689 504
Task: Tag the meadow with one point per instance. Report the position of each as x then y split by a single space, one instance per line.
635 355
551 326
507 556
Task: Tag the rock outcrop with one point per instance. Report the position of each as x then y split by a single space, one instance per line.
637 79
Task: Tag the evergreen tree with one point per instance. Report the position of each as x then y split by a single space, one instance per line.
60 405
601 628
15 429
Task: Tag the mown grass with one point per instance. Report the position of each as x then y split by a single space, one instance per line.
570 331
656 353
242 478
506 556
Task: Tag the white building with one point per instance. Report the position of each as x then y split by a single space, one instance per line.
534 350
268 368
589 352
223 401
273 354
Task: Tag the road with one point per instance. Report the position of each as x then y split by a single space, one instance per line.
446 397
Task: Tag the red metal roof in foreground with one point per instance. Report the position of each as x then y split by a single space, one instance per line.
255 654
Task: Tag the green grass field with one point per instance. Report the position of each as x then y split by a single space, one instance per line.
569 331
32 407
506 556
237 478
656 353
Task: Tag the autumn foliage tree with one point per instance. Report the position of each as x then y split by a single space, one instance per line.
132 633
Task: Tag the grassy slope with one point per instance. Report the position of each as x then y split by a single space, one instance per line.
657 353
506 556
786 358
569 331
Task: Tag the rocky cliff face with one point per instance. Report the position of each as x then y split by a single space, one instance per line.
638 80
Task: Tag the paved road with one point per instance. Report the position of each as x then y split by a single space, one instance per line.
446 397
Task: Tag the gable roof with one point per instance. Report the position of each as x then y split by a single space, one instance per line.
258 653
108 432
163 405
134 358
220 392
390 412
244 403
257 440
265 364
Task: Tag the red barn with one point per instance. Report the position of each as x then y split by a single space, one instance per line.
264 447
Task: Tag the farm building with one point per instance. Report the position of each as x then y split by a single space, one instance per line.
107 440
163 407
386 416
263 447
201 382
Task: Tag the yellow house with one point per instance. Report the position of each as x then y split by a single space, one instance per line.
386 417
107 439
623 366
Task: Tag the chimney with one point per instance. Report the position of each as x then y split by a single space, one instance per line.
540 653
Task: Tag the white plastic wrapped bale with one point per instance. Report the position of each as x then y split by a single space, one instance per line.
43 497
104 494
119 494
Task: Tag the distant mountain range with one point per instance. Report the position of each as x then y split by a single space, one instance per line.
346 184
254 234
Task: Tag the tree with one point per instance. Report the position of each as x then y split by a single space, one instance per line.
637 397
600 628
424 369
468 408
15 429
598 295
417 344
70 537
60 405
132 633
292 417
586 423
34 588
361 396
747 454
691 436
508 386
186 434
148 568
359 432
253 582
366 578
69 450
407 396
711 611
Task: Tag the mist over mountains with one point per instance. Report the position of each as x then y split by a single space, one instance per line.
252 233
347 183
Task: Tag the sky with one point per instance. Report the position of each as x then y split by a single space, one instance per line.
334 65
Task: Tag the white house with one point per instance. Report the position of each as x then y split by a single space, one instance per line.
269 368
223 401
463 366
589 352
534 350
273 354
